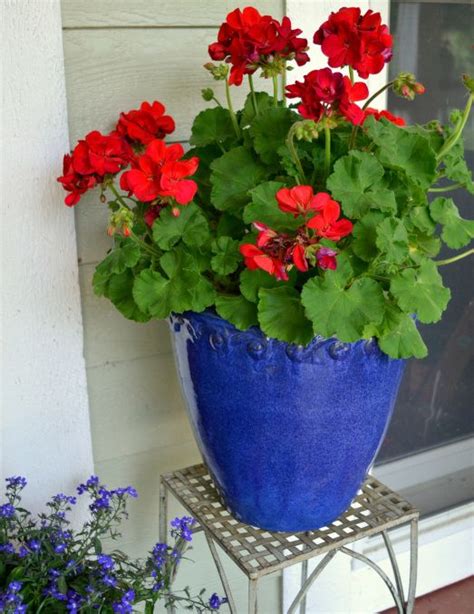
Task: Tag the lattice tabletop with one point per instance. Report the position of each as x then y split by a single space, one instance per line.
259 552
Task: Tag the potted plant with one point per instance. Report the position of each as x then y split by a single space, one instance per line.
293 248
46 565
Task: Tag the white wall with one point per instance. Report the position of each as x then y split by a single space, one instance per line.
45 422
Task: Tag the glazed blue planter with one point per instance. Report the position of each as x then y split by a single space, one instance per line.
288 433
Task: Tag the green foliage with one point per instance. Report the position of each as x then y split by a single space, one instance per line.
281 315
213 126
226 255
237 310
190 226
398 334
233 175
392 239
457 231
340 307
357 183
421 291
402 150
269 131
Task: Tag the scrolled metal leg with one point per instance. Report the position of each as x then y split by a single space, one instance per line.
253 586
163 517
304 577
307 585
381 573
222 575
410 604
395 568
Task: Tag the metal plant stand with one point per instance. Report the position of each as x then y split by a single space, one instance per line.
258 553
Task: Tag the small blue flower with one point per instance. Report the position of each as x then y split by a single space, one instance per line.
181 527
7 510
22 552
62 498
16 481
157 587
15 586
92 482
34 545
109 580
106 562
215 601
60 548
125 605
129 490
8 548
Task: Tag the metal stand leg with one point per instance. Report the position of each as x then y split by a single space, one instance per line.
410 604
307 585
304 577
395 568
163 527
253 586
222 576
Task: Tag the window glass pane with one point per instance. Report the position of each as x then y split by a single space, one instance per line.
435 41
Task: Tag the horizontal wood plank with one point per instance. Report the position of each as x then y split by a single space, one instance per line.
109 338
155 13
136 406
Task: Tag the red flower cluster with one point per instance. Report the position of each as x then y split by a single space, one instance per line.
145 124
161 173
248 40
276 253
399 121
362 42
326 93
91 160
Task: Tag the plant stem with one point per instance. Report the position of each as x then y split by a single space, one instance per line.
327 151
118 196
252 91
454 138
294 154
377 93
447 188
231 109
283 84
216 101
275 90
454 258
351 74
144 245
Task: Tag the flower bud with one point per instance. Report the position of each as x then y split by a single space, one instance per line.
103 198
468 83
207 94
175 212
218 71
306 130
406 86
126 231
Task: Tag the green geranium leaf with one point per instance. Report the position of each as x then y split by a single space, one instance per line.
365 235
357 183
237 310
403 150
392 239
202 176
457 231
252 281
421 219
191 226
226 255
120 258
233 175
281 315
342 310
398 335
182 289
230 226
269 131
213 126
456 167
264 208
421 291
120 293
264 102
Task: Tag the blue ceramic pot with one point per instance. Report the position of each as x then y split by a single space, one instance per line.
288 433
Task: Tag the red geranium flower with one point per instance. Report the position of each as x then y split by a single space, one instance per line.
326 258
298 200
326 222
325 93
160 172
399 121
146 123
256 258
299 258
348 38
248 40
74 183
101 154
